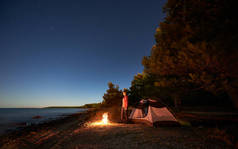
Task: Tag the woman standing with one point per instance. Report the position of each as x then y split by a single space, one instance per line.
124 107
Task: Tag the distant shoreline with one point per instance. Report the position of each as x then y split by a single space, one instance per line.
42 107
64 107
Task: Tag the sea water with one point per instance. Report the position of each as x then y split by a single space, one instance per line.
12 118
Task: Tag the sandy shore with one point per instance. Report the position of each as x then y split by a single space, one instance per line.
74 133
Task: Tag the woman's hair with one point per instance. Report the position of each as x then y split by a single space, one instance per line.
125 90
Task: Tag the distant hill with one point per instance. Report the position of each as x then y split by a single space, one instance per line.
64 107
90 105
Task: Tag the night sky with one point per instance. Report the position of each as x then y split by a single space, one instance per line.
64 52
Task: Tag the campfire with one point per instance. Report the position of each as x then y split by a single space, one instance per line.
104 120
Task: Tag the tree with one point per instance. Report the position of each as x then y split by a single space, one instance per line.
196 48
145 86
113 96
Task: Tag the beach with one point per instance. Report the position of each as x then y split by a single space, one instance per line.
75 132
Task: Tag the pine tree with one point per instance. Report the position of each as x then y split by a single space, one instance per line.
113 95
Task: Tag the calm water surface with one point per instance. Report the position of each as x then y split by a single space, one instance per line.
12 118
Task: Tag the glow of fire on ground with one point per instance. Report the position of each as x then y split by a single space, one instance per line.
103 122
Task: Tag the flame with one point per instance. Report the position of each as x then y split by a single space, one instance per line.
104 120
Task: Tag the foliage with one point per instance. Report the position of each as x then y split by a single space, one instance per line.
145 86
195 50
113 96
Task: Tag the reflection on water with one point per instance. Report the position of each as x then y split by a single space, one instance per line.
11 118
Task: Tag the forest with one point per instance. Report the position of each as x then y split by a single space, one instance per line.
193 60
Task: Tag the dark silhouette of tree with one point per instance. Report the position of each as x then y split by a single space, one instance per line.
113 95
145 86
195 50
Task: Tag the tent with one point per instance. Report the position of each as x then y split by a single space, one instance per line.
153 113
